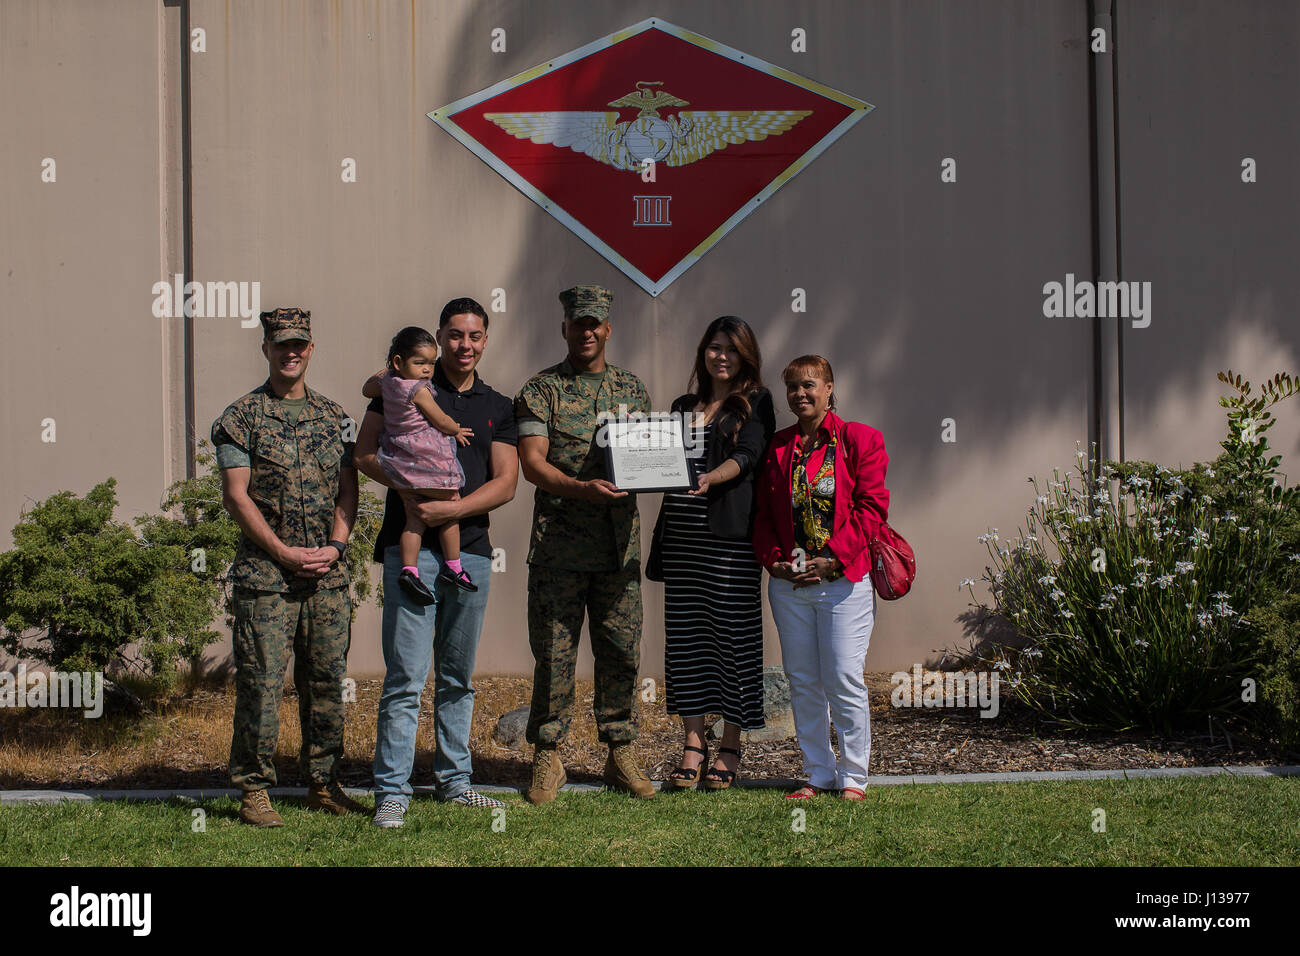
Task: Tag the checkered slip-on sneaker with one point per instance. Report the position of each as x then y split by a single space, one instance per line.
390 814
472 798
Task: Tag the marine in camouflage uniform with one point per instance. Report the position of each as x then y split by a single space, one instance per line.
584 557
297 458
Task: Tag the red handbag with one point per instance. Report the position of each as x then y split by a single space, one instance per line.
893 564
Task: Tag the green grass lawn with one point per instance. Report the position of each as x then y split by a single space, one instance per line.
1218 821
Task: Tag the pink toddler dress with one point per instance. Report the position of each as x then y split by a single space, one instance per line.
414 453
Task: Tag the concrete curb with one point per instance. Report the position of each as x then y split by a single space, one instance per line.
47 797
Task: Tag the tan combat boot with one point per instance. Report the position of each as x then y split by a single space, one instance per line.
331 798
548 776
255 809
623 772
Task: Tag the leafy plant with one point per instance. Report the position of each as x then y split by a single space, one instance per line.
79 589
1130 591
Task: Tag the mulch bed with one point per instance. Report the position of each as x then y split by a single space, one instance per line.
191 753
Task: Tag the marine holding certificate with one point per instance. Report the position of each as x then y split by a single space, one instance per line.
584 555
713 614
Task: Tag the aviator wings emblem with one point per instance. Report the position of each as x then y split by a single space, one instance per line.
684 138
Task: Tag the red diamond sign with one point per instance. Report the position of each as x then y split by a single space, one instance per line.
652 143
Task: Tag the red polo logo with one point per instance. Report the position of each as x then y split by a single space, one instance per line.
653 143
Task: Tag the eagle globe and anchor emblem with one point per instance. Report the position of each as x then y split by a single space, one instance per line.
682 138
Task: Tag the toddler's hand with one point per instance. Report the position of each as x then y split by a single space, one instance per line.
464 435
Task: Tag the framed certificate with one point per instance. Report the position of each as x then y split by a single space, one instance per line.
647 456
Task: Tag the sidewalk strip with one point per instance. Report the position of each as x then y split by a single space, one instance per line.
46 797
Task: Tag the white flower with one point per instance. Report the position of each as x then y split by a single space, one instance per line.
1221 595
1041 499
1209 472
1230 517
1141 580
1182 567
1033 652
1293 557
966 582
1141 643
1200 536
1223 609
1003 665
1144 562
1057 594
1207 499
1033 537
1065 613
1165 580
1046 579
1205 619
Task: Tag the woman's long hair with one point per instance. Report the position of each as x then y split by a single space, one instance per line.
748 378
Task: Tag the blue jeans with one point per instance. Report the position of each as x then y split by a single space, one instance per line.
413 638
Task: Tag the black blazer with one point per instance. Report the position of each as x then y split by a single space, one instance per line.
731 504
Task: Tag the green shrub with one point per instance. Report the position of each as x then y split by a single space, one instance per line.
1134 594
85 587
79 588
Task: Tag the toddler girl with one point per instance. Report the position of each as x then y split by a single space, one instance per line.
417 453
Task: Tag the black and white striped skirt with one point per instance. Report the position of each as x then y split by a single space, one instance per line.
713 618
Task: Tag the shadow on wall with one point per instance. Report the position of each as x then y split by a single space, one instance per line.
925 296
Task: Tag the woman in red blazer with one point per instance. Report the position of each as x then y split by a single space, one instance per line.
821 497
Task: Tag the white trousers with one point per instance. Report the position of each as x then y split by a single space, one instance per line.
824 631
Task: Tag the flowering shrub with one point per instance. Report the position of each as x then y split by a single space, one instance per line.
1133 588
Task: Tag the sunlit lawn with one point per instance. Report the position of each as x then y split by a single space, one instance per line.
1187 822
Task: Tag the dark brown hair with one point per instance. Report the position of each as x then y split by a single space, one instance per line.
749 377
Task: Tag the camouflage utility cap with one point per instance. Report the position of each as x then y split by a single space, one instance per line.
283 325
589 300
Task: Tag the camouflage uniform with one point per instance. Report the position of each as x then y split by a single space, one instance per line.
583 556
294 480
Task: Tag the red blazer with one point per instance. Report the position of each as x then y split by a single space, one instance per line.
861 499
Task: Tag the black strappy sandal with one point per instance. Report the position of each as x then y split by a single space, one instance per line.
692 780
721 779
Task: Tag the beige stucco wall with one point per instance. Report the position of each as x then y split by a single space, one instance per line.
926 296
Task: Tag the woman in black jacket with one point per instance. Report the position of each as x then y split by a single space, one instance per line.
713 613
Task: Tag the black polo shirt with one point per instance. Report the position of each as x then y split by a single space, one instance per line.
492 417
